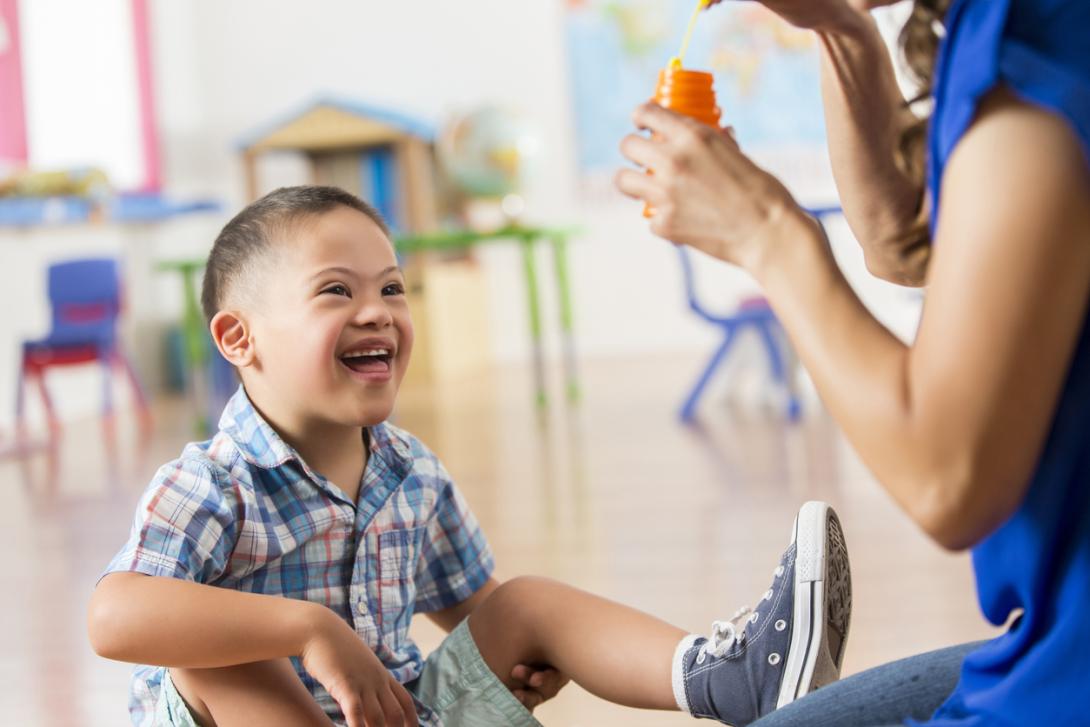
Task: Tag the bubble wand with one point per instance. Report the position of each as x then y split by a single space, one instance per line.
690 93
677 61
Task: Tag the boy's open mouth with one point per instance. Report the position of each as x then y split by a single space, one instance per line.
368 361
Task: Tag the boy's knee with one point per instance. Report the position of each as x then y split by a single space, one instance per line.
190 685
199 688
524 588
521 598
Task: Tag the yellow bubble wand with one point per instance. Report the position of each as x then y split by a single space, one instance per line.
676 61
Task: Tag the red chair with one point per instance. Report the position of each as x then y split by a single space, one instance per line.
85 296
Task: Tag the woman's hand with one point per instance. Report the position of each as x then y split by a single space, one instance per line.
705 191
363 688
535 686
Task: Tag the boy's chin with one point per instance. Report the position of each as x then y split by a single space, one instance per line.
370 415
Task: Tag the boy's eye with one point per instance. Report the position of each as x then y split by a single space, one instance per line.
338 290
394 289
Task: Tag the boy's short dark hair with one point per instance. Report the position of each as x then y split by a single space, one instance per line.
249 235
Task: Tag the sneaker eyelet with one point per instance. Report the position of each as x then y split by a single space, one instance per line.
781 625
767 596
700 657
756 615
773 659
779 571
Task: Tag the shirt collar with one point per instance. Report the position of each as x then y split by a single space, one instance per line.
261 446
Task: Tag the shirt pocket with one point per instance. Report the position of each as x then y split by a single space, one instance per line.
393 585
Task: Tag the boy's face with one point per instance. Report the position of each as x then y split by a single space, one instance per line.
333 336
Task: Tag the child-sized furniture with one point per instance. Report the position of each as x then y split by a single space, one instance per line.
753 314
526 237
86 301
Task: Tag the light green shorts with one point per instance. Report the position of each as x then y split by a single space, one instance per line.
455 683
460 687
171 710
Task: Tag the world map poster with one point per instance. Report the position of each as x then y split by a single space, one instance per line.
766 71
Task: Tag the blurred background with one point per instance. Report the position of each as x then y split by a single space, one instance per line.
621 414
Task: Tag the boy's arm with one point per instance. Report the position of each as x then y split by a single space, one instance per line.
171 622
450 617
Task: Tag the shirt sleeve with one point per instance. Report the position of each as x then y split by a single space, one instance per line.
455 559
1036 48
185 526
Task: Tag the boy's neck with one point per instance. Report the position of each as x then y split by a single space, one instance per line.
335 451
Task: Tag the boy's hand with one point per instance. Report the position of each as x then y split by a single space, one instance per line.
366 692
535 685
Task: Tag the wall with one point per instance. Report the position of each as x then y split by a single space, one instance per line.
226 67
244 62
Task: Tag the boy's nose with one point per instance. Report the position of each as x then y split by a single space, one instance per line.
373 313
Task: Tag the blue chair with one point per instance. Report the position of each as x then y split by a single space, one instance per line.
753 314
86 301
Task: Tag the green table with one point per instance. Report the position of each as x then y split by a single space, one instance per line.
526 237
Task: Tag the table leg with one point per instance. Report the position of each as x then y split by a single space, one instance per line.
567 328
529 269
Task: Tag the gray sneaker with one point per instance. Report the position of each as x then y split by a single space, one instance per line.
789 644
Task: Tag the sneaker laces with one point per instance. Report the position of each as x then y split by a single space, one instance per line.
725 634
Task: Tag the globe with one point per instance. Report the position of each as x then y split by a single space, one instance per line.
486 153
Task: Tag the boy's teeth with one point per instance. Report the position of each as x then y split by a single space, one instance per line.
372 352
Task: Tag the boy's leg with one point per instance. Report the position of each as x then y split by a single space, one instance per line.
612 651
267 693
790 644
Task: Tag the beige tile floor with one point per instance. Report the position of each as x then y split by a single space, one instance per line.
611 495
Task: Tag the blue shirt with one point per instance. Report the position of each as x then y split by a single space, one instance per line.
1038 562
244 511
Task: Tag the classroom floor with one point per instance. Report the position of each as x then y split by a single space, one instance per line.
612 495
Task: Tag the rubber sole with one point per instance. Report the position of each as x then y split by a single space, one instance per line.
823 603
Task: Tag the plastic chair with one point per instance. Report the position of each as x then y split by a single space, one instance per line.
85 296
752 314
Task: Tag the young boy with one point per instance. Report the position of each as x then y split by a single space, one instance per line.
272 571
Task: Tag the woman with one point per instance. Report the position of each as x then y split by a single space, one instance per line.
976 429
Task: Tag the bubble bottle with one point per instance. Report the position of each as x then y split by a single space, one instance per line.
690 93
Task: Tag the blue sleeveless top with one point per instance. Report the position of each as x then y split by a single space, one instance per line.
1038 673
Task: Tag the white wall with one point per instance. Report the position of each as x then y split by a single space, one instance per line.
228 66
224 67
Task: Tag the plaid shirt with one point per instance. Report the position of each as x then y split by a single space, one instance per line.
244 511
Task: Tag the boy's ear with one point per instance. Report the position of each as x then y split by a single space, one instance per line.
233 338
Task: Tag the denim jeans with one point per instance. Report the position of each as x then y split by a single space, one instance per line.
887 695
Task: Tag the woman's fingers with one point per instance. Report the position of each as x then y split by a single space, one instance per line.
667 124
643 151
639 185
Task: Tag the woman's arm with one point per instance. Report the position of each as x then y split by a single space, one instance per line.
864 115
952 426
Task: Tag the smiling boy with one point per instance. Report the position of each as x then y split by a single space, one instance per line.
272 572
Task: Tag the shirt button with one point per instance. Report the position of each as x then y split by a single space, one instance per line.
362 606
